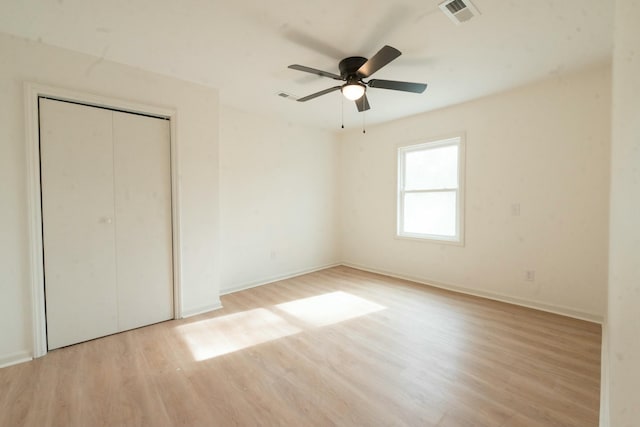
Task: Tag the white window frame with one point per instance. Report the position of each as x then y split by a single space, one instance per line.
403 149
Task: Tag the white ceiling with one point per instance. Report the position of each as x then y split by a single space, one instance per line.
243 47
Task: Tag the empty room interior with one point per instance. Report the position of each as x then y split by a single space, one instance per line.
407 213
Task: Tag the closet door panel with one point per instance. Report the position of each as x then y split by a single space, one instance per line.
142 174
78 222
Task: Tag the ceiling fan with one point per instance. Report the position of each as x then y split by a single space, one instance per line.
356 68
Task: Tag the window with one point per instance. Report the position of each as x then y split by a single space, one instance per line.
430 190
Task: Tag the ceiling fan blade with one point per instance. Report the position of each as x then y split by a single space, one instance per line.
362 103
377 61
315 71
317 94
393 85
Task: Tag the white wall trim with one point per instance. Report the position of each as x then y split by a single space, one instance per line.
32 91
176 223
277 278
604 377
254 284
190 312
36 270
550 308
15 358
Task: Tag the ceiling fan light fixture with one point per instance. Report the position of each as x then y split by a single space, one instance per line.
353 90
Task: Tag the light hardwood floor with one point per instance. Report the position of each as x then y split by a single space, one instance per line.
335 347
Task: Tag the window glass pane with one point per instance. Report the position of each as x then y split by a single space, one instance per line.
432 168
430 213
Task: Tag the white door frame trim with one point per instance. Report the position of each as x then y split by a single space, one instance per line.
32 92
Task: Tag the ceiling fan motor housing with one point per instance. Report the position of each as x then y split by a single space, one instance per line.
349 66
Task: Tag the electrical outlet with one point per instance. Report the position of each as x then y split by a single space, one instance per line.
273 255
530 276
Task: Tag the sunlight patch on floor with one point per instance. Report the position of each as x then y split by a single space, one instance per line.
222 335
327 309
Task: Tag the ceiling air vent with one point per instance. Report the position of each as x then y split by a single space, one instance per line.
459 11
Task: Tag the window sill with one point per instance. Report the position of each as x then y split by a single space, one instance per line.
434 240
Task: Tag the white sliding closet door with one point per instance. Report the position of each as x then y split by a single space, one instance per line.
78 231
106 209
143 219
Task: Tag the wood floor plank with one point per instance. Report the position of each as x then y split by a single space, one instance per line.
338 347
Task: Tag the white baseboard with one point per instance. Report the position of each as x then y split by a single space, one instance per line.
537 305
277 278
190 312
15 358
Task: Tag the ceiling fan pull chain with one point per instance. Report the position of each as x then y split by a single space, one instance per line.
363 122
342 110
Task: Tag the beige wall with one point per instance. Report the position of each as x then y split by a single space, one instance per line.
197 134
278 204
622 370
294 199
545 147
